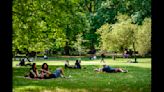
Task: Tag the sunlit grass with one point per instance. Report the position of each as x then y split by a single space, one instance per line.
138 79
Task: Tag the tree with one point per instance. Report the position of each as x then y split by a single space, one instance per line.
78 44
28 26
118 36
143 45
45 24
124 34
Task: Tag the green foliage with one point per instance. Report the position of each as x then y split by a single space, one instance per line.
54 24
78 45
144 37
121 35
118 36
40 25
28 26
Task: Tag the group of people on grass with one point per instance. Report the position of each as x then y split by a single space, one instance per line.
76 66
44 72
77 63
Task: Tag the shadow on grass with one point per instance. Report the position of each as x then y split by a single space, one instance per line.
59 89
138 79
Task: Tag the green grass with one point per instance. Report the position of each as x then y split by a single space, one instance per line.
138 79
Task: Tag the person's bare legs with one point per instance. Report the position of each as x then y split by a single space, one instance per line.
62 71
98 69
120 70
102 60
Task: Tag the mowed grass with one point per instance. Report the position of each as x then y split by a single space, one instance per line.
138 79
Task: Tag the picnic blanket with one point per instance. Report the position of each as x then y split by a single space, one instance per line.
39 78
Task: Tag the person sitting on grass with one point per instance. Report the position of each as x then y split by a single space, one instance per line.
77 64
67 65
22 63
108 69
45 74
45 71
34 72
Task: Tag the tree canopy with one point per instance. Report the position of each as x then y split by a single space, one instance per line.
57 25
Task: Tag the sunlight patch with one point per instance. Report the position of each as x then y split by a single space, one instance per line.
23 88
65 90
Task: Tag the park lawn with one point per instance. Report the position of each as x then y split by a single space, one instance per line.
138 79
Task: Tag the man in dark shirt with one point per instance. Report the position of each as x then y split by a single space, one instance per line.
108 69
102 58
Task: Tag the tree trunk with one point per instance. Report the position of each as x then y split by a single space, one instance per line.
35 56
135 58
92 45
66 49
114 55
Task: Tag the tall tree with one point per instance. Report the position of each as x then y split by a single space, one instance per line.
45 24
118 36
143 37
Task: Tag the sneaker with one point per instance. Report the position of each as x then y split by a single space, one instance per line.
125 71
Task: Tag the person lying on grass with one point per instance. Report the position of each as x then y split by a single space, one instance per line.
108 69
44 71
59 72
46 74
